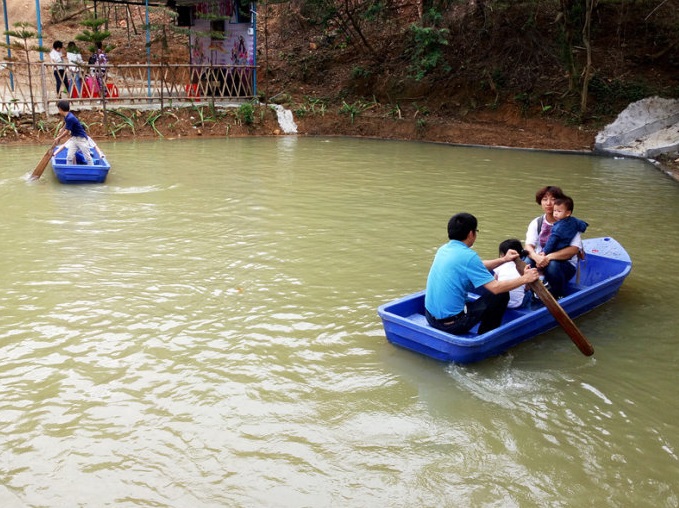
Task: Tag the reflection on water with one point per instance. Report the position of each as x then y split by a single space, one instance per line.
202 331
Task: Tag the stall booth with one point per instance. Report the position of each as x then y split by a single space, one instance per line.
222 45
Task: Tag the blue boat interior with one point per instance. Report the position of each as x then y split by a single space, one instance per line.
79 159
592 270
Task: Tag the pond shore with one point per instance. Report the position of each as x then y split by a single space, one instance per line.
504 127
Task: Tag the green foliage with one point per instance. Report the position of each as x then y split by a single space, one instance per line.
21 42
523 99
374 11
356 108
60 9
128 122
358 72
420 110
93 34
426 50
7 125
350 109
43 126
618 90
498 78
395 111
246 113
22 36
205 114
164 26
151 120
311 105
319 12
432 17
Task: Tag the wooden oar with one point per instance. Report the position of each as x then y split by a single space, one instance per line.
557 311
37 172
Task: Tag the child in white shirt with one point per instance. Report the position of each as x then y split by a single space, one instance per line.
517 297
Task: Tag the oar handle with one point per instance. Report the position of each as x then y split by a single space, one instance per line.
557 311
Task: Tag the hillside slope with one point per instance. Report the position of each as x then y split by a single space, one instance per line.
500 82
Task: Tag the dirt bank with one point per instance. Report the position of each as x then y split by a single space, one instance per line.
325 101
502 127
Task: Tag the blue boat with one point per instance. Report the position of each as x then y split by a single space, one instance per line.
80 173
599 277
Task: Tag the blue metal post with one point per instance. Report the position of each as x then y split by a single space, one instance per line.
9 50
253 8
148 50
39 22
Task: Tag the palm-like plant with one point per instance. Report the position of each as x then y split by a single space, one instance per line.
92 34
22 42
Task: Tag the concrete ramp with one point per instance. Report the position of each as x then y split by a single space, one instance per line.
646 128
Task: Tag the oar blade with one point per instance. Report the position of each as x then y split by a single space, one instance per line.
40 168
559 314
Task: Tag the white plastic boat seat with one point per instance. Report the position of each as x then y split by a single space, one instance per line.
418 318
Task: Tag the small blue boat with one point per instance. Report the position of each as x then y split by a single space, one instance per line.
599 277
80 173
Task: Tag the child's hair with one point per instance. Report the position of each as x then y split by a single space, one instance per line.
63 105
57 44
566 201
512 243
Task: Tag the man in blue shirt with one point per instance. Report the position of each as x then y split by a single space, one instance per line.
456 270
73 127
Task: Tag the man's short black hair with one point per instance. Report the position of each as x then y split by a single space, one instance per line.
460 225
64 105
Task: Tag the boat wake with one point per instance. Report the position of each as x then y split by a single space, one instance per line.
503 385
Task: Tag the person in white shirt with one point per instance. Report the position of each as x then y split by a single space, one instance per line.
58 57
558 267
75 69
518 297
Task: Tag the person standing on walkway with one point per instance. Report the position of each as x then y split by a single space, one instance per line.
98 63
58 57
76 62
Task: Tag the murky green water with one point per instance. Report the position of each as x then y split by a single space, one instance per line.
202 331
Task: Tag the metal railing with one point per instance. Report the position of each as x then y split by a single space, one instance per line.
117 86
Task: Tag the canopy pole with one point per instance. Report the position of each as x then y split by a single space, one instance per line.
39 23
9 49
253 10
148 49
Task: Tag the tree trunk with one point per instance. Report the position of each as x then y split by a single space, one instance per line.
586 39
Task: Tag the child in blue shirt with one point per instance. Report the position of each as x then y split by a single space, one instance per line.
565 227
78 137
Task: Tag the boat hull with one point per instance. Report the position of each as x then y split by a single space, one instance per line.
601 274
80 173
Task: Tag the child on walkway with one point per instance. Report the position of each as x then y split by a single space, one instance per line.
517 297
77 132
566 226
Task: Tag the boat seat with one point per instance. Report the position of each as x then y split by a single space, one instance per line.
418 318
